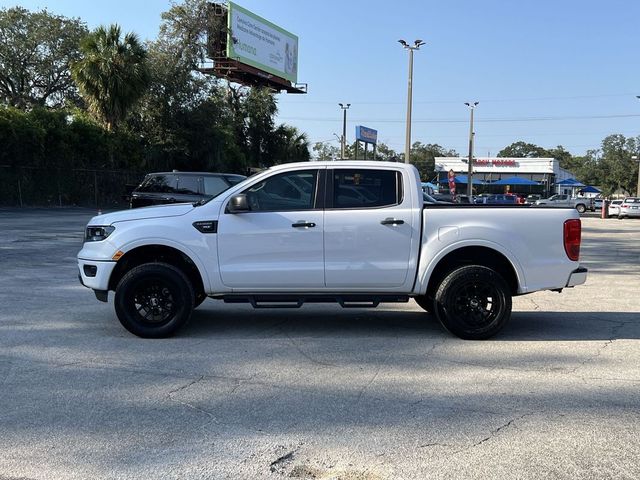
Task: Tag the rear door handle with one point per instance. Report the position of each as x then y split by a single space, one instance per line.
392 221
303 224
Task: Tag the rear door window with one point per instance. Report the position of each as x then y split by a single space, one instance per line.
188 184
366 188
214 185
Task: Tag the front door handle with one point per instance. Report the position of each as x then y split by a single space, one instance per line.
392 221
303 224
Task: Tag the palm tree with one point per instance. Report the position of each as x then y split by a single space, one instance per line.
111 74
293 145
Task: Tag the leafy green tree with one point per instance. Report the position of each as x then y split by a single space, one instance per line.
112 74
423 157
325 151
523 150
289 145
386 153
619 170
36 49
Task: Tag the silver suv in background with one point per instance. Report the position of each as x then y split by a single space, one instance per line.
565 201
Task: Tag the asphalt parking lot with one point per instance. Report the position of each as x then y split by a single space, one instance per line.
318 392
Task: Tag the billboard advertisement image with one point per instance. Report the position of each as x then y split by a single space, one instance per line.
261 44
366 134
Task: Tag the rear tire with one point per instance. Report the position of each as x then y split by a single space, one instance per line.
473 302
154 300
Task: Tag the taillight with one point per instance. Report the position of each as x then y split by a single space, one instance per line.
572 236
624 205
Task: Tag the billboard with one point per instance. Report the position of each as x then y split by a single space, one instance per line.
365 134
254 41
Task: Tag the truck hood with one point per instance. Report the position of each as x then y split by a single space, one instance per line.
160 211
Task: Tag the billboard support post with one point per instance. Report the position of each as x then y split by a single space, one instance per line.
368 136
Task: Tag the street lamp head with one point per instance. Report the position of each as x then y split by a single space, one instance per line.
340 105
403 43
637 96
418 43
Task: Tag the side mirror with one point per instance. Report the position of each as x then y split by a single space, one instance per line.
238 204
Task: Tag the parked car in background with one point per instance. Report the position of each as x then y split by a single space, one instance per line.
614 208
430 200
630 207
532 199
565 201
178 187
499 199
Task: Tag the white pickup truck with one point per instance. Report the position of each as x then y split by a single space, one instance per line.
352 232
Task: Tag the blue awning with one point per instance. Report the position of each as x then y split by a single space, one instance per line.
465 179
570 182
515 181
590 189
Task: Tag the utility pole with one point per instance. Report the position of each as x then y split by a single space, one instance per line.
472 107
416 46
638 187
344 129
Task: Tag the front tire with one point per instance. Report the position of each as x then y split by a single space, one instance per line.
581 208
154 300
473 302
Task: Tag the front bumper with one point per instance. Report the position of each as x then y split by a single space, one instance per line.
577 277
99 281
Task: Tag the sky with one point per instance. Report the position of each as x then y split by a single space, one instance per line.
561 72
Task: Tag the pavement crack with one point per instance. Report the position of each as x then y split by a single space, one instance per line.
615 329
495 431
185 386
191 406
306 355
279 462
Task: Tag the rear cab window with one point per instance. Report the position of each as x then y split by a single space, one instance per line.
365 188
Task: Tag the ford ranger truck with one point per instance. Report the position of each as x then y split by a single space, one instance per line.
353 232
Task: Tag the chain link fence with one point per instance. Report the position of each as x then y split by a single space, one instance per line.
33 186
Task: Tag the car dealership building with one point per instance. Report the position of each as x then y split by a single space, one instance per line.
545 172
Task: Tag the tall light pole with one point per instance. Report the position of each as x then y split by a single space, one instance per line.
344 129
416 46
472 106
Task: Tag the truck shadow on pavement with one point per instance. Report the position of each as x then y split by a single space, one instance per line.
214 320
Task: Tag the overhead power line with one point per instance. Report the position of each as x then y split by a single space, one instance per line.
494 100
483 120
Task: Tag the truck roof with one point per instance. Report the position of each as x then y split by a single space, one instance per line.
342 163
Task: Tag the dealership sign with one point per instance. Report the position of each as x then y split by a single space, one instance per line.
496 162
254 41
367 135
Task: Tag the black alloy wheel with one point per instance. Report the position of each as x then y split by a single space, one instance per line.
473 302
154 300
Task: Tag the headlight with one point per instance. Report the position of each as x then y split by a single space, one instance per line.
97 234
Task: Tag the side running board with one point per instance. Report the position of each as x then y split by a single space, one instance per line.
296 301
